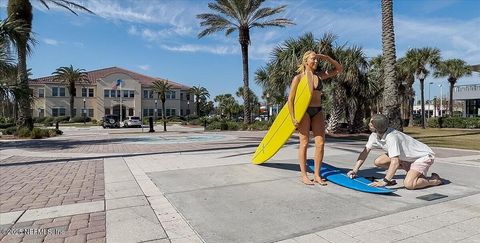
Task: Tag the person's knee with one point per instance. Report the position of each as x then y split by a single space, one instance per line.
409 184
319 143
303 142
379 162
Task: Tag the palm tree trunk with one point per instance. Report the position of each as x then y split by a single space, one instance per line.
390 97
450 105
25 113
163 116
338 109
72 101
423 101
246 95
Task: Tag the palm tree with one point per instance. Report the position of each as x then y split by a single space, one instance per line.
453 69
226 104
390 97
70 77
201 94
417 60
161 87
21 10
253 99
406 75
240 15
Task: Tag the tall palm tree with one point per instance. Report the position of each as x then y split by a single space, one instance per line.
406 75
70 77
241 16
227 104
21 10
200 93
161 87
253 102
418 59
390 97
453 69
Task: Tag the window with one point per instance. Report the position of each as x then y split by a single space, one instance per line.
130 111
107 111
170 95
181 96
106 93
41 112
188 96
148 112
112 93
60 111
74 112
90 112
132 93
170 112
125 93
58 91
41 93
148 94
88 92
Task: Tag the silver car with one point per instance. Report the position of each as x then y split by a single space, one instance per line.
132 121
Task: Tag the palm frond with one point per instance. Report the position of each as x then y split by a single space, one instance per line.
69 5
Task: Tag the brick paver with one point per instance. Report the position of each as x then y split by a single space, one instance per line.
51 184
78 228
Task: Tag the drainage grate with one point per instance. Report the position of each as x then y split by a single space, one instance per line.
431 197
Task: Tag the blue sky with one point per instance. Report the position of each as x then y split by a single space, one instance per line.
159 37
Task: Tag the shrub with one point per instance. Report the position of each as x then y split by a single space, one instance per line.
94 121
10 130
24 132
6 125
37 133
79 119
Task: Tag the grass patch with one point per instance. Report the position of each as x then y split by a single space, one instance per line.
446 137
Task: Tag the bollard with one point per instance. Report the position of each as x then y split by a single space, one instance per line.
150 121
56 125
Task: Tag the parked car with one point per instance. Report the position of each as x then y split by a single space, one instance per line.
132 121
111 121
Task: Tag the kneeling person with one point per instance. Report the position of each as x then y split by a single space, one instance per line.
403 152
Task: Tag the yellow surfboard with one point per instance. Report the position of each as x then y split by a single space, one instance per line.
282 128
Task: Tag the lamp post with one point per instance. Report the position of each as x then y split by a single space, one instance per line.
441 98
421 77
429 101
156 111
84 112
266 106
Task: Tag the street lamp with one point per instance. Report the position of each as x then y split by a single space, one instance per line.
441 98
266 106
156 111
84 112
422 76
429 101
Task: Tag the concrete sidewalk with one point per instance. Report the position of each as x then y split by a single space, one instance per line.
190 186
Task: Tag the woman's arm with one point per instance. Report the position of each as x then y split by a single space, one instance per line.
329 73
291 99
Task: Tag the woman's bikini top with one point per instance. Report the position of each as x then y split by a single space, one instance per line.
319 85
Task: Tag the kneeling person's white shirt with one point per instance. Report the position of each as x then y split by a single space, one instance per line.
397 143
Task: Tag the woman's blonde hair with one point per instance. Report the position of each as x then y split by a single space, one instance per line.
303 64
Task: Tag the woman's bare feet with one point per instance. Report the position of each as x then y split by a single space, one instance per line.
435 179
320 181
307 181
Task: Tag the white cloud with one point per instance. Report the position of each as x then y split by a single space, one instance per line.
222 50
51 42
144 67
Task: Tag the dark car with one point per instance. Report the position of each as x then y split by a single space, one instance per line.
111 121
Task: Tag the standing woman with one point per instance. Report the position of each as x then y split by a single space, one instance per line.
314 118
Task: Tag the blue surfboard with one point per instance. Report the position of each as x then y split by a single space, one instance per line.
340 177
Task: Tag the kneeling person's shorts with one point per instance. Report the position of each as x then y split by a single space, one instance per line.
423 164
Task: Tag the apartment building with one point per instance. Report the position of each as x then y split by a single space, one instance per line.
102 96
470 95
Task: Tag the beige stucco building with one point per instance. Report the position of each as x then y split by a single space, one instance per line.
102 97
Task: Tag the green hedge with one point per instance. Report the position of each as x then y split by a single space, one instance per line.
454 122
